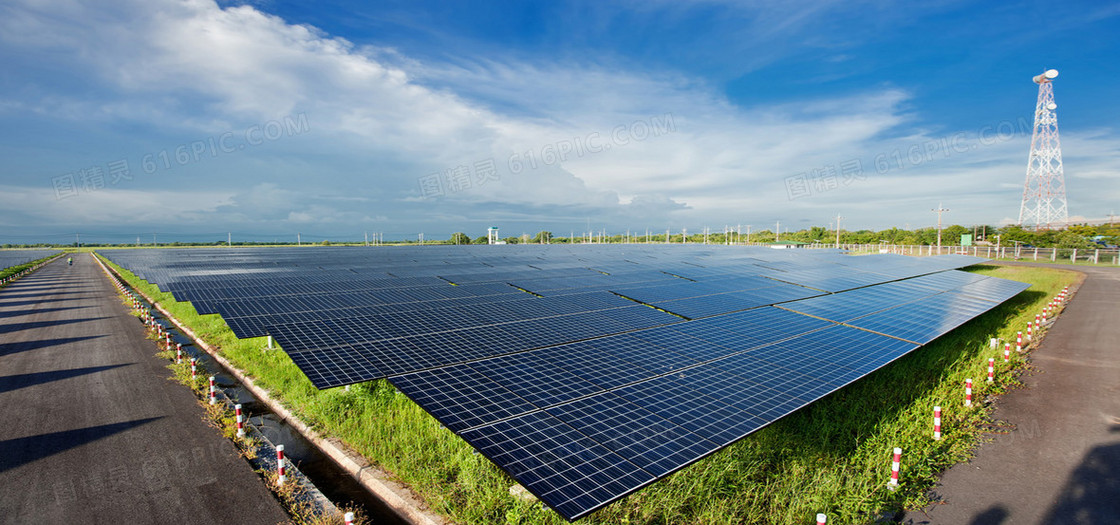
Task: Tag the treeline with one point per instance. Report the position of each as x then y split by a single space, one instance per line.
1080 236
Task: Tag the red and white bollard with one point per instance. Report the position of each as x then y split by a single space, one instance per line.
1044 312
349 518
178 354
194 368
821 519
1007 353
282 477
991 369
1029 331
240 421
895 463
936 422
213 392
1019 339
967 392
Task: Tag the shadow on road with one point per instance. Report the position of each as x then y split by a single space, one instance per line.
26 295
1090 493
44 285
994 515
5 304
15 327
17 381
14 348
24 450
39 311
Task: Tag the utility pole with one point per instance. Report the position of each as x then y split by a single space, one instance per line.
939 210
777 231
748 234
229 239
838 217
299 242
78 240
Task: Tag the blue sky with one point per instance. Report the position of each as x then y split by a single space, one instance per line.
190 119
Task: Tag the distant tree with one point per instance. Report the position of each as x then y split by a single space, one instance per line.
511 240
1070 239
951 236
459 238
325 243
817 233
543 237
481 239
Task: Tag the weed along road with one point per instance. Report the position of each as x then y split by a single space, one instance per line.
1061 462
91 429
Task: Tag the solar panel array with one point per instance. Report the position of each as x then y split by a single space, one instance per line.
585 372
10 258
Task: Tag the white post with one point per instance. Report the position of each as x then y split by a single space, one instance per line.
282 477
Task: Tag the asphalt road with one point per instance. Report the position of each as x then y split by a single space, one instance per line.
91 429
1061 464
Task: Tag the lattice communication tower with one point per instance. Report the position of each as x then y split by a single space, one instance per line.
1044 193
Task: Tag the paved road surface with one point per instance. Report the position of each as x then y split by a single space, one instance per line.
1062 463
91 431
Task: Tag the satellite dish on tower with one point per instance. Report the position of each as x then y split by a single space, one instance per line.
1051 106
1049 75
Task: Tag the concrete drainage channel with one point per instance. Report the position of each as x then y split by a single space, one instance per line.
325 482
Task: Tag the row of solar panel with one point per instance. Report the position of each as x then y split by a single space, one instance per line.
270 309
582 436
584 424
389 345
10 258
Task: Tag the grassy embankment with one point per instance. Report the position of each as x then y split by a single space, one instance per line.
831 457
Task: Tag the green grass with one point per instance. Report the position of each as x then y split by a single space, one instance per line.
832 456
1105 260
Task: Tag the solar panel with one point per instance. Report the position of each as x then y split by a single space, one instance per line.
654 444
575 389
570 472
461 397
858 303
927 319
534 379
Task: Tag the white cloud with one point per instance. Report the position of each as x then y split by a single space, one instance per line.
195 68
